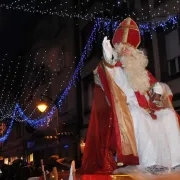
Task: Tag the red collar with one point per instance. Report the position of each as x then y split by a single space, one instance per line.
118 64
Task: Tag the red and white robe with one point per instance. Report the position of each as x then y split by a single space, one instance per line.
121 124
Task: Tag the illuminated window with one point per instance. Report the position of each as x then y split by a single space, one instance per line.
30 158
6 161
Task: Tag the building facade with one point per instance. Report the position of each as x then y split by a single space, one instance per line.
166 46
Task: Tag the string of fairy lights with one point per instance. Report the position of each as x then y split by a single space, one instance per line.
29 87
44 121
11 85
5 108
65 9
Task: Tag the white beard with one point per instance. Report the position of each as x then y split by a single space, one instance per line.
135 68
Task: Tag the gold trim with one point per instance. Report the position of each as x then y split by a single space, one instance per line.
107 64
121 177
125 122
126 30
129 28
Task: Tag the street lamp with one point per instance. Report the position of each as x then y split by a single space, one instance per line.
42 107
82 146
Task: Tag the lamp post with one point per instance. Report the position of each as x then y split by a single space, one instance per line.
42 107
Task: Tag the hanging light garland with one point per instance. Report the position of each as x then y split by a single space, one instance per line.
62 9
3 138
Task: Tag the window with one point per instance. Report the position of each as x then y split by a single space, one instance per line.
172 52
30 158
174 66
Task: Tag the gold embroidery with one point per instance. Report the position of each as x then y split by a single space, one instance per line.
107 64
122 177
126 30
125 121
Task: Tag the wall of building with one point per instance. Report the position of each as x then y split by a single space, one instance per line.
168 54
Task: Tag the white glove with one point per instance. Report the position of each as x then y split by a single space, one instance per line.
158 89
110 56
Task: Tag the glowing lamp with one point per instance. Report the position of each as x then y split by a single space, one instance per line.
82 146
42 107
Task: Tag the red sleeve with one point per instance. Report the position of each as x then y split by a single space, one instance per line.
152 79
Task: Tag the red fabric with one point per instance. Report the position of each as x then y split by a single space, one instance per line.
171 97
118 64
98 153
152 79
128 159
103 136
133 38
154 107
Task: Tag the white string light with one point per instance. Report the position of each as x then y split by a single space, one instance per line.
63 8
16 100
12 83
37 89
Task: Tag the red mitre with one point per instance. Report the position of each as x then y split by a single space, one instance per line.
127 33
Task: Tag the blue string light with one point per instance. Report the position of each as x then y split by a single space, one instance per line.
3 138
152 26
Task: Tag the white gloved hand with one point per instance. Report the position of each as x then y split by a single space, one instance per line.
110 56
158 89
